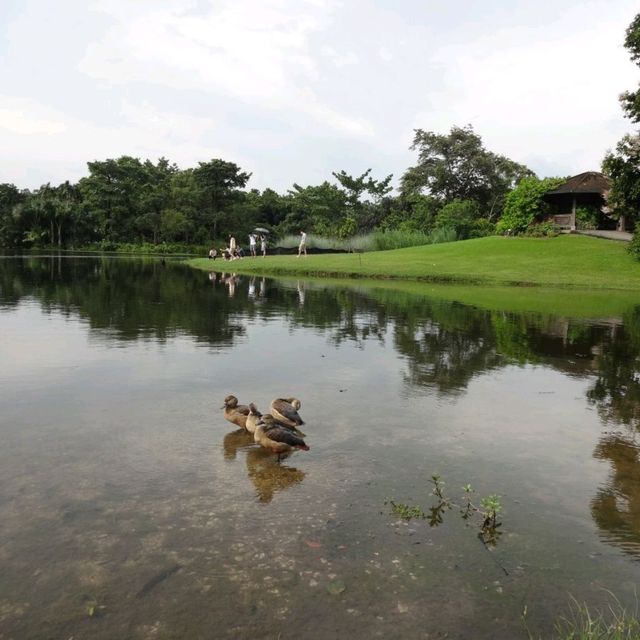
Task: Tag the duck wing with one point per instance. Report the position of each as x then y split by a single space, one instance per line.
282 434
285 409
243 409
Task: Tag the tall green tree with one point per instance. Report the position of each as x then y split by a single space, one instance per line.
630 100
623 164
623 167
219 183
111 195
457 166
11 199
317 208
363 195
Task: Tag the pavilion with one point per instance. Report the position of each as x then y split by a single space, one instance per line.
586 189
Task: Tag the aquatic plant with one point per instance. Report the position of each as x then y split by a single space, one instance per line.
582 623
406 511
488 510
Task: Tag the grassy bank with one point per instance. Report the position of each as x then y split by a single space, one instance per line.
565 261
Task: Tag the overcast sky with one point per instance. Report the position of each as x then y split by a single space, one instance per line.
292 90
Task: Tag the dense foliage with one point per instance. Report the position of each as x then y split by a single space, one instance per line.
525 205
457 190
623 164
457 166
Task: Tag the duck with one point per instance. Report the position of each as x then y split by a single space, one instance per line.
285 411
235 413
253 418
274 437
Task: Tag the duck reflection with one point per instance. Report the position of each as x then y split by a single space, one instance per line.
234 441
269 476
616 507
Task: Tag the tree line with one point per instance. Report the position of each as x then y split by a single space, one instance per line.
456 184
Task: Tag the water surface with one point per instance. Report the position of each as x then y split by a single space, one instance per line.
129 508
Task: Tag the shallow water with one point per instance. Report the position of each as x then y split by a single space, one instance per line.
129 508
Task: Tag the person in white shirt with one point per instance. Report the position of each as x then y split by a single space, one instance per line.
252 244
303 244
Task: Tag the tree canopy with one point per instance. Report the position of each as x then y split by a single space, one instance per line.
623 164
457 187
458 167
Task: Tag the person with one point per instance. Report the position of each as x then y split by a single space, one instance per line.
226 254
263 245
252 244
213 254
232 246
303 244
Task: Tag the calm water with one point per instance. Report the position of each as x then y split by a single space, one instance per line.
124 494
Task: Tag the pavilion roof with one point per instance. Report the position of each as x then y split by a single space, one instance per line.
588 182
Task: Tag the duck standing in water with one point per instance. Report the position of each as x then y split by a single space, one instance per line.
270 435
253 418
285 411
235 413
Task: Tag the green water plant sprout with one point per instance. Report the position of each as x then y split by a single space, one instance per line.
488 510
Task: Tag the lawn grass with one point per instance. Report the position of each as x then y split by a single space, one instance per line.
564 261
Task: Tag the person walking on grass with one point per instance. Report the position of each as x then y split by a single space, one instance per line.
263 245
303 244
252 244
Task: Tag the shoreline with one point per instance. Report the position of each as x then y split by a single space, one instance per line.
566 262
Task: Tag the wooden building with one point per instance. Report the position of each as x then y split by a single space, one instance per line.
587 189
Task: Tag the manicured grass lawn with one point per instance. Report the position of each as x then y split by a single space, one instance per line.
566 261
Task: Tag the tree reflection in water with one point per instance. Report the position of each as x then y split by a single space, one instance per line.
616 506
444 344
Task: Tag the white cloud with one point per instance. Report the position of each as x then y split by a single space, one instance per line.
142 131
17 122
295 89
15 117
257 52
542 92
385 54
340 59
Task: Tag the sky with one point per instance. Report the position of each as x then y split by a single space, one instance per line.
292 90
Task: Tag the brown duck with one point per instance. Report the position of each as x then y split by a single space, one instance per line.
253 418
234 412
270 435
285 411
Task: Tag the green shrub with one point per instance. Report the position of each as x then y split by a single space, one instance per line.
460 215
375 241
482 228
149 248
384 241
524 204
634 245
442 235
546 229
587 217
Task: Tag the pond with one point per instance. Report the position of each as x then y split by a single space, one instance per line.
129 508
